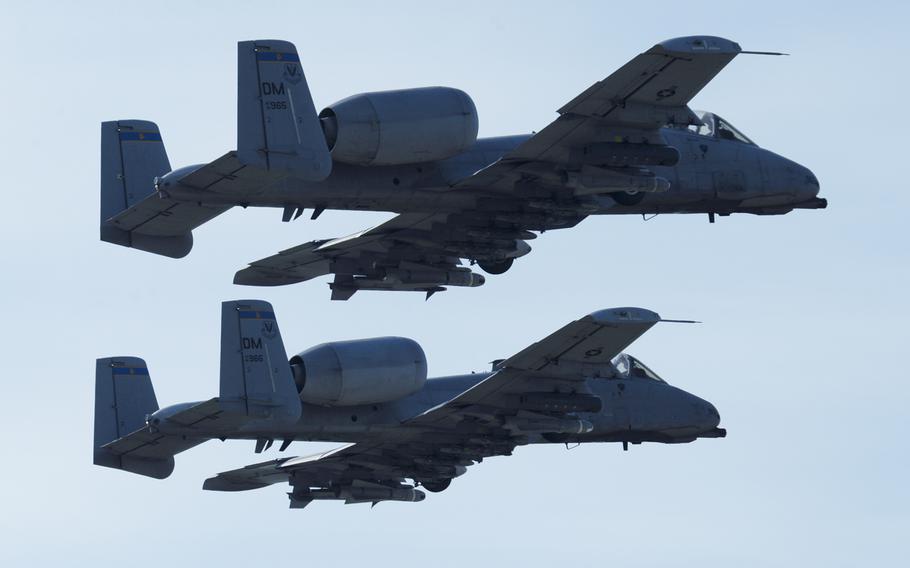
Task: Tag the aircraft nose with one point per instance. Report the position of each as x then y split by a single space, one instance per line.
788 182
713 415
807 184
706 415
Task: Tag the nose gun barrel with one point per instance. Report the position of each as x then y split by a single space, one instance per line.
714 433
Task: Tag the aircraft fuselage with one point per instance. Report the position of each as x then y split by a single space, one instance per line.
712 176
633 410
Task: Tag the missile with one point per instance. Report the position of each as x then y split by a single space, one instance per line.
591 180
550 425
360 493
407 494
435 277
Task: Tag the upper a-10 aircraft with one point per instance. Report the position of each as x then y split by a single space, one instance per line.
573 386
628 144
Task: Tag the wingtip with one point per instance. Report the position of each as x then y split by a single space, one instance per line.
219 483
700 44
613 316
252 276
245 277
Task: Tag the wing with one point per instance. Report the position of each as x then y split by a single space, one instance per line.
228 176
146 450
547 378
586 345
411 252
629 107
356 473
373 472
538 392
157 217
146 444
542 387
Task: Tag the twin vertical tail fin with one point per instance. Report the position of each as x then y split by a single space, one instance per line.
278 134
277 125
256 379
132 156
124 397
257 391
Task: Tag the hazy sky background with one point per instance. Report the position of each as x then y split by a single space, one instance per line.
803 349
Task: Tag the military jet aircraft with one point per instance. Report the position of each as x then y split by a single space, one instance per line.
629 144
573 386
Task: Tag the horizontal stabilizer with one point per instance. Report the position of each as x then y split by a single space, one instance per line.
133 213
227 177
128 432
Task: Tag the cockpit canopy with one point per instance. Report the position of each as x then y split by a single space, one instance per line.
628 367
714 126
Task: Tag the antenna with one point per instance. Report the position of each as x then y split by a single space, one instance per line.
763 53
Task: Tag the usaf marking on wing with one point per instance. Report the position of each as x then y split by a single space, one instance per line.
404 431
629 144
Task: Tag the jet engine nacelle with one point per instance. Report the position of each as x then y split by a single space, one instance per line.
363 371
407 126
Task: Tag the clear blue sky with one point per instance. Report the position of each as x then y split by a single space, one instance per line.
802 350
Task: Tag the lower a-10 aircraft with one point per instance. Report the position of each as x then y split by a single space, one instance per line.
629 144
573 386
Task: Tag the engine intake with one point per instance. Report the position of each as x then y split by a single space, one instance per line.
363 371
388 128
